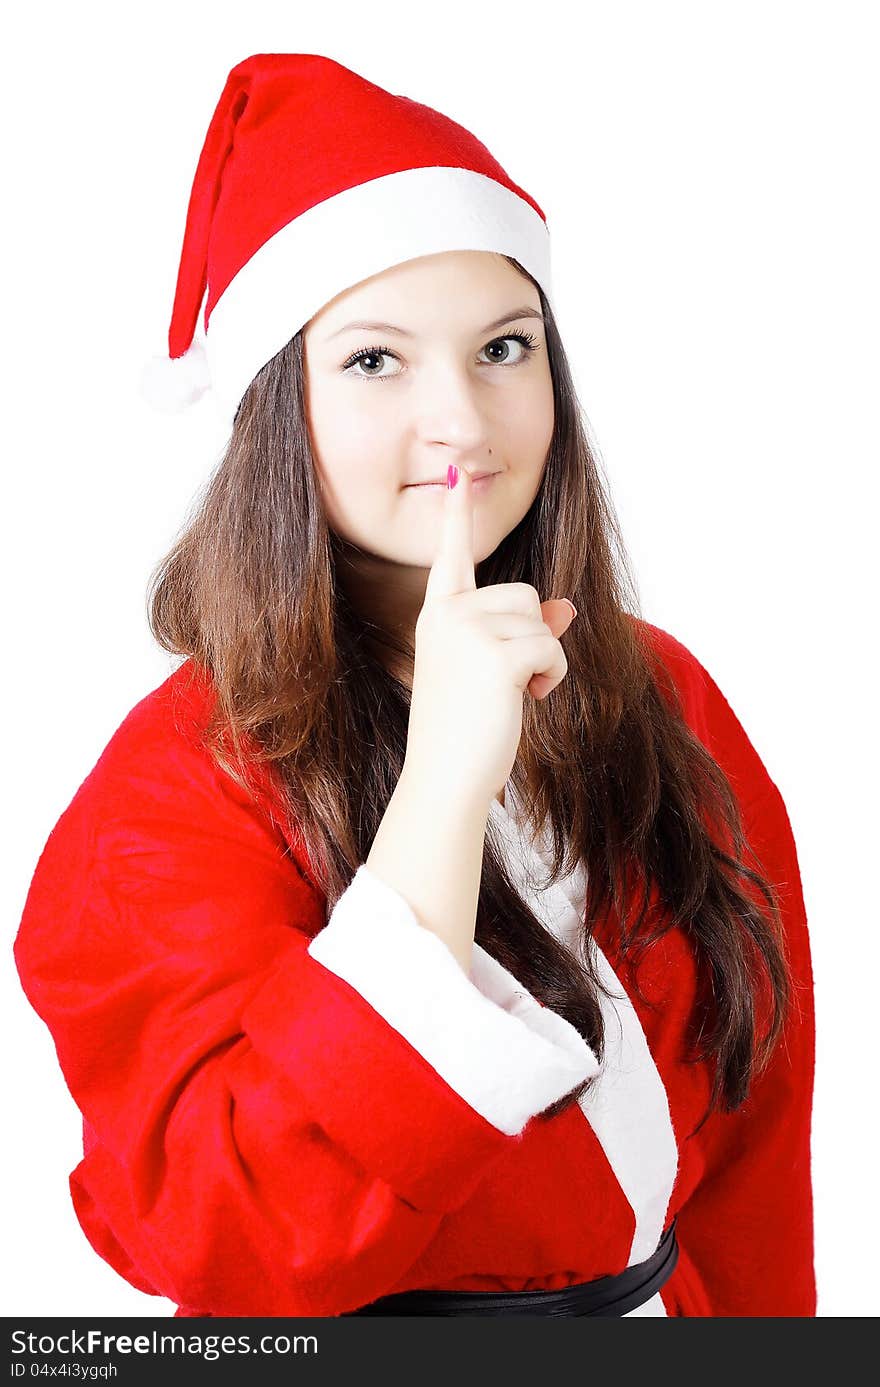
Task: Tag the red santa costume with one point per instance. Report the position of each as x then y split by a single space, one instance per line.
278 1117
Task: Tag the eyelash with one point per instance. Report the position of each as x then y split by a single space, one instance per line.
525 338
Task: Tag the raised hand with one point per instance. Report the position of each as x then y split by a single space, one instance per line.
477 651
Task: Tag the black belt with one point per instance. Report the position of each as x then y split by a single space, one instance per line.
606 1295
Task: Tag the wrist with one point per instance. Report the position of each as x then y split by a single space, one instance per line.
441 789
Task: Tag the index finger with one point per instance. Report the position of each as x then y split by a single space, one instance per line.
453 567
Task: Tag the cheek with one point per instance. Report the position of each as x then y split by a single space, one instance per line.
544 411
355 463
349 443
529 416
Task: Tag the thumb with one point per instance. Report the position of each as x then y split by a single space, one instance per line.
453 567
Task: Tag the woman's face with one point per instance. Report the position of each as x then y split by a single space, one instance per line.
441 381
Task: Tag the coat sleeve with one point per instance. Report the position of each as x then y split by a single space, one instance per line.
278 1113
748 1226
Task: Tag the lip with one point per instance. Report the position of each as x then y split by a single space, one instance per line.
480 483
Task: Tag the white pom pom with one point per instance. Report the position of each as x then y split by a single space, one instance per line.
170 384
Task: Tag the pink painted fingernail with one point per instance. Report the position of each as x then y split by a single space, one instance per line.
451 476
574 610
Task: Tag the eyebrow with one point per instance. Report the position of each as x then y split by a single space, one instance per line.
511 317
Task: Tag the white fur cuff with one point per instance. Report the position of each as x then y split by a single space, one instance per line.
486 1036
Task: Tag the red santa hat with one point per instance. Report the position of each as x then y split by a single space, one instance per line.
312 179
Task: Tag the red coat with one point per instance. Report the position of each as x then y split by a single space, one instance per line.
278 1118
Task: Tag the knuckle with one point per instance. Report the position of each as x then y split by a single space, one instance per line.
529 592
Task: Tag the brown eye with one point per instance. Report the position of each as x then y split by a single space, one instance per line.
370 356
525 340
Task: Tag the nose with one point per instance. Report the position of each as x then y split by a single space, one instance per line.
448 412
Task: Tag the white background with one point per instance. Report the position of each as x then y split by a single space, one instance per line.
709 175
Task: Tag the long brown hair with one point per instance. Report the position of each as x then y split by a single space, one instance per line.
254 592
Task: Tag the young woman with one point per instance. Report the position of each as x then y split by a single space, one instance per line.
431 941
